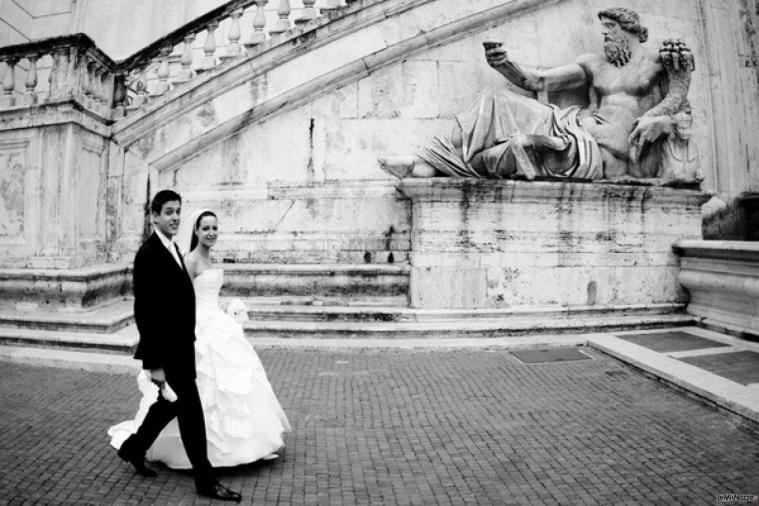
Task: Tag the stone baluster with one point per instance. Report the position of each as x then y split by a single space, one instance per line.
209 48
9 82
331 5
283 23
30 98
186 73
97 86
308 13
106 81
140 97
60 76
259 23
163 72
88 82
234 49
119 95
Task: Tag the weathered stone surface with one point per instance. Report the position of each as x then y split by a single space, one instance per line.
53 172
356 222
722 278
385 79
504 244
63 289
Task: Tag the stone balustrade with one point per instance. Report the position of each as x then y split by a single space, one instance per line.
72 66
230 31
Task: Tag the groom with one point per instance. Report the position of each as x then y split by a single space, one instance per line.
164 309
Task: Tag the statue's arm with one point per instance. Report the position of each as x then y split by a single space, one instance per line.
563 77
678 64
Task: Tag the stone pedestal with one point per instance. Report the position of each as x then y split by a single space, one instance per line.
515 244
53 187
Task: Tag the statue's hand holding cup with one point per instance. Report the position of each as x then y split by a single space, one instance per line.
494 53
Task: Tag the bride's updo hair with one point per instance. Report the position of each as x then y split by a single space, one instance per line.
194 239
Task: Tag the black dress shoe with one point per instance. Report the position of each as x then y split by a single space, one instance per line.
218 491
137 462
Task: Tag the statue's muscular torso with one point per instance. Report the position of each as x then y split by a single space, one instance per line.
619 95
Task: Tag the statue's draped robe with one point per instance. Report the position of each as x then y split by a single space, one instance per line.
500 116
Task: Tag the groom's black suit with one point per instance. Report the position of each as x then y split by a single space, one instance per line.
164 309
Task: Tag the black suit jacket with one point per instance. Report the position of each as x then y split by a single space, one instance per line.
164 309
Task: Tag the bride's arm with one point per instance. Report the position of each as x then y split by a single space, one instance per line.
191 262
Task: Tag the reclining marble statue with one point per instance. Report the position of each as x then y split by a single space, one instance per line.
634 95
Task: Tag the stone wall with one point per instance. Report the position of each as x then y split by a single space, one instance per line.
53 182
284 142
324 114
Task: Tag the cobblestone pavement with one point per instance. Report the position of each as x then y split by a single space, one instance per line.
399 427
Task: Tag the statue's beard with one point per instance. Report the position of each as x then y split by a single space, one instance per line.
617 49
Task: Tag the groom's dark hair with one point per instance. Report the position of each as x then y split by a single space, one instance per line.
161 198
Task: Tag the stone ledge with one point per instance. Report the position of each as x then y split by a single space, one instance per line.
63 289
723 280
728 250
444 189
116 342
103 319
490 328
316 280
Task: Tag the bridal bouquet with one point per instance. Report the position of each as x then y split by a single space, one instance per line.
146 385
237 310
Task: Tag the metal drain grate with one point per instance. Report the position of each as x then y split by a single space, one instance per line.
550 355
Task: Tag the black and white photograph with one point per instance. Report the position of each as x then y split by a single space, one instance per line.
379 252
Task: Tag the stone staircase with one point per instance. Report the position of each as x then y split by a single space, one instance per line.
314 301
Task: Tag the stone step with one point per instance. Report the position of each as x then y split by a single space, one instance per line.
261 309
104 319
123 341
67 289
352 281
486 327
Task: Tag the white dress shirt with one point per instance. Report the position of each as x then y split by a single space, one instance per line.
169 243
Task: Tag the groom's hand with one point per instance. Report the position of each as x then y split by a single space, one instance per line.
157 376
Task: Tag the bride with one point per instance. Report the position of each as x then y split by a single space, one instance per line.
244 420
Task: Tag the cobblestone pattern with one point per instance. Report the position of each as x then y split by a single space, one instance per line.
399 427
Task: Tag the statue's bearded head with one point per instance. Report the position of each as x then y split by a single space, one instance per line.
619 26
617 49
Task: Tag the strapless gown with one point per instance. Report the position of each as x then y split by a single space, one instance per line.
244 420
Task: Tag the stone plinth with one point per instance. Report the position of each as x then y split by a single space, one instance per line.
63 289
488 244
723 280
53 187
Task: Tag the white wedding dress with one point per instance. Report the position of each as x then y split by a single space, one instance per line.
244 421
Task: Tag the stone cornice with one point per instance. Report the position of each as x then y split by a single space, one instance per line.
53 113
723 250
443 189
53 44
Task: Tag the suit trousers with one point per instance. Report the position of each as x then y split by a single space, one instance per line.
192 428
